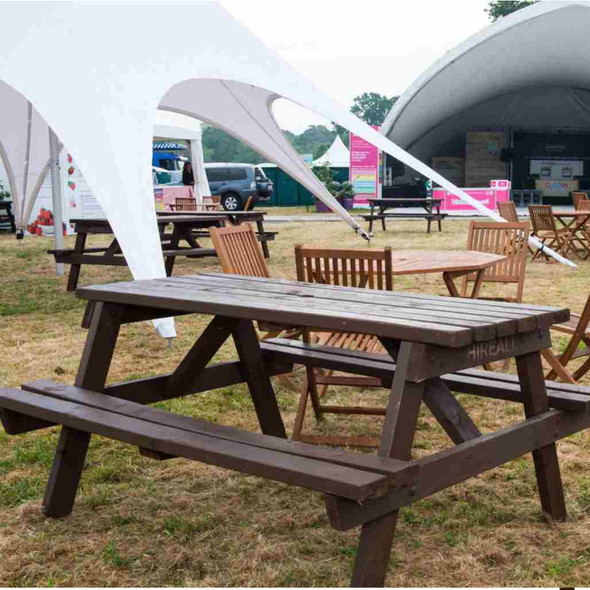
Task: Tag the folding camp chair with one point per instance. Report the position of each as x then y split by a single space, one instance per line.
371 269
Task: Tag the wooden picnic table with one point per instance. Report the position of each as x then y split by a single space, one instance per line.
7 218
432 343
183 228
429 205
236 218
451 263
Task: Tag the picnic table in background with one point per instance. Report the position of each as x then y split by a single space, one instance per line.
183 228
236 218
451 263
7 218
432 342
431 211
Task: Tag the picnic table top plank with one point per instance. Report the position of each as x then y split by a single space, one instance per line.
236 214
527 318
175 219
307 305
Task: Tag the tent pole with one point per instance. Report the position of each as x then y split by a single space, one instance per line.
57 199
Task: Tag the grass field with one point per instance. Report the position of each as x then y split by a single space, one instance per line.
139 522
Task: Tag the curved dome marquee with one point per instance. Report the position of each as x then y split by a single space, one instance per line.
528 71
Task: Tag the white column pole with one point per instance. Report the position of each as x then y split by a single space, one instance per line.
57 198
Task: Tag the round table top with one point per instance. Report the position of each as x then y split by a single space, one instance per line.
406 262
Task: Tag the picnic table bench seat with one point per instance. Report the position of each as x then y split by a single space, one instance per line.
160 434
562 396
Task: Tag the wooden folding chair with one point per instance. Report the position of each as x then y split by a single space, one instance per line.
578 198
212 203
506 239
239 253
371 269
577 327
185 204
545 230
507 210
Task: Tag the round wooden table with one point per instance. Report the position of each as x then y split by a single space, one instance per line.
451 263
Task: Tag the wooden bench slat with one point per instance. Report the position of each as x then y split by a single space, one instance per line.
475 382
398 472
322 476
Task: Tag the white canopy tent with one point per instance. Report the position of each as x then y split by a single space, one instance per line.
337 155
527 70
24 151
171 125
224 76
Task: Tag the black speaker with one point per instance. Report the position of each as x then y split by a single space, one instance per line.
506 154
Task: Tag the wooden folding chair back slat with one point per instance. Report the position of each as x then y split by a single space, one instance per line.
584 205
578 198
238 250
345 267
507 210
542 218
506 239
369 269
185 204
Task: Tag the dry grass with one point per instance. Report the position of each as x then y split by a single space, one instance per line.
178 523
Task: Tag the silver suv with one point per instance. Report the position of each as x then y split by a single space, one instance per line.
236 183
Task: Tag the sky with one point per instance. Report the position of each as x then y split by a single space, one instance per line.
347 48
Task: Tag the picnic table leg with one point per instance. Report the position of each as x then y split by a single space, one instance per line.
169 263
73 444
448 412
75 268
428 209
397 439
382 213
260 226
259 383
439 220
532 383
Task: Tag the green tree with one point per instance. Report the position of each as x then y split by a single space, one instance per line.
312 138
372 107
498 8
218 146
